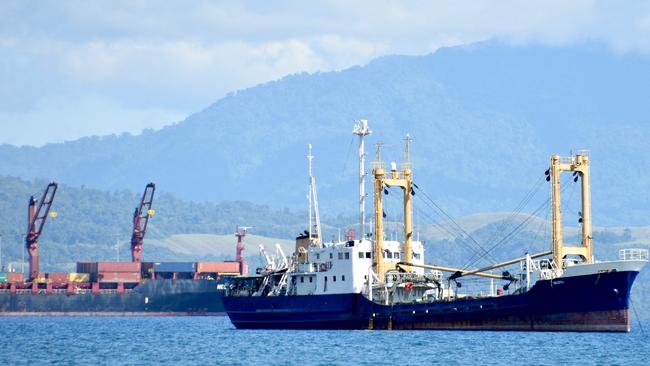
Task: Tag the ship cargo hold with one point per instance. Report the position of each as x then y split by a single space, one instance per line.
376 282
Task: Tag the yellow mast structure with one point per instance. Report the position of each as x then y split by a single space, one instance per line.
579 165
403 179
378 175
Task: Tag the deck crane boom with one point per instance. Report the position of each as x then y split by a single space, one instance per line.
140 221
37 212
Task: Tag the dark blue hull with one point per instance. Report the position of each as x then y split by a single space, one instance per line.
152 298
597 302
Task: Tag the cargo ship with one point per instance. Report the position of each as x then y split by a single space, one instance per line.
376 283
133 288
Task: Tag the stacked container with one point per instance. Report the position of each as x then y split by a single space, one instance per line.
87 267
78 277
15 277
218 267
174 267
125 272
57 277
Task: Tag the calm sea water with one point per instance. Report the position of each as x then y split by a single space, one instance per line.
214 341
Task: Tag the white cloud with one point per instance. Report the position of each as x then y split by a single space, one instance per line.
175 58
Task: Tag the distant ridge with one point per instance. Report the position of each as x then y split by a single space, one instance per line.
484 118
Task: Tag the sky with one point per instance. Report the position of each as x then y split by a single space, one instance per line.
70 69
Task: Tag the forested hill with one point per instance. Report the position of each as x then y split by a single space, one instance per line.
484 119
90 222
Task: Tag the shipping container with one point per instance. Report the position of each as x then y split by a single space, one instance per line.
125 277
217 267
41 278
86 267
178 267
57 277
78 277
118 267
15 277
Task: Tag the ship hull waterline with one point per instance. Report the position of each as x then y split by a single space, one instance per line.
588 303
151 298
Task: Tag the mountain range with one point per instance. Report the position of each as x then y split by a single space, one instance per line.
484 119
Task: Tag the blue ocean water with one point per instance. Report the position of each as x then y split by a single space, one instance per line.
214 341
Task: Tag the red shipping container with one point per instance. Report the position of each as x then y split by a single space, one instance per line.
58 277
217 267
118 267
15 277
124 277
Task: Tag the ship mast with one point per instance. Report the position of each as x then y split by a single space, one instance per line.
362 130
579 165
312 197
394 178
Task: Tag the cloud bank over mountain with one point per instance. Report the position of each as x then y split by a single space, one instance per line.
72 69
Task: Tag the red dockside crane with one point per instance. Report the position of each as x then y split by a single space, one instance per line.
140 220
240 234
36 217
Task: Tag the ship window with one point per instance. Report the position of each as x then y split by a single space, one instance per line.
340 255
416 255
360 254
310 279
331 255
325 284
347 255
302 279
388 254
334 279
343 278
368 255
396 255
317 256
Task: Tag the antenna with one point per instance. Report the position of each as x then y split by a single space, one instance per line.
379 145
310 157
407 143
362 130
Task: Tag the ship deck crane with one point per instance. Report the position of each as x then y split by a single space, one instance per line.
140 220
481 272
37 213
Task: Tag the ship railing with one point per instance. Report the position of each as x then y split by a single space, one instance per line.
633 254
546 268
551 273
538 264
401 277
